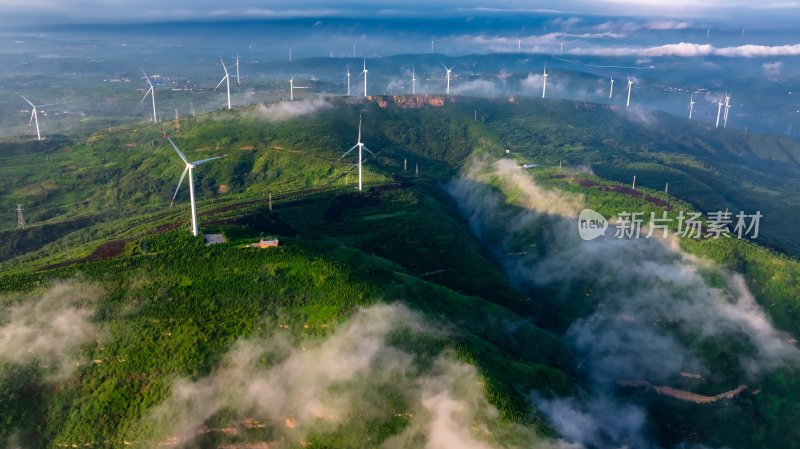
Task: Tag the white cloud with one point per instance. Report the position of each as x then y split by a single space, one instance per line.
772 70
687 49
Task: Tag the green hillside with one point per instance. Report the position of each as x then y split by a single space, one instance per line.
171 316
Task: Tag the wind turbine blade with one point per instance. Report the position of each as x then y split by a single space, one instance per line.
183 175
348 151
368 150
203 161
145 95
223 66
33 113
146 77
166 136
221 81
359 128
29 102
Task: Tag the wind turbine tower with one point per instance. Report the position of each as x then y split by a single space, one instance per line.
413 82
237 71
630 84
227 80
691 105
360 145
190 166
448 77
544 81
719 111
365 78
727 109
611 88
348 80
152 92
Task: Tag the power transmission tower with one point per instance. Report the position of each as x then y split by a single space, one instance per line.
20 218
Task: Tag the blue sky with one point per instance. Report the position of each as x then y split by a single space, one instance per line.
27 12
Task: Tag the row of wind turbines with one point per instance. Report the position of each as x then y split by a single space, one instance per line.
151 92
189 167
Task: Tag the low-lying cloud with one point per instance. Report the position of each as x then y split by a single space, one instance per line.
351 378
49 328
285 110
649 297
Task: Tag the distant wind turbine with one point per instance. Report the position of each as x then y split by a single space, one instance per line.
364 72
227 80
691 105
152 92
719 111
292 87
544 81
611 88
35 116
413 82
190 166
630 84
360 145
727 109
448 77
237 71
348 80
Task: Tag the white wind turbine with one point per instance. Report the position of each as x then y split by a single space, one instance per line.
226 79
348 80
152 92
35 116
691 105
727 109
448 77
413 82
611 89
292 87
719 111
544 81
237 71
630 84
364 72
360 145
189 168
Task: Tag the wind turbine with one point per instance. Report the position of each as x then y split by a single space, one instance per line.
360 146
227 80
719 110
630 84
152 92
544 81
190 166
413 82
348 80
364 72
448 77
237 71
34 116
691 105
292 88
611 89
727 109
